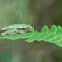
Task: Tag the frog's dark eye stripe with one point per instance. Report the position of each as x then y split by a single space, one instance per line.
21 28
16 28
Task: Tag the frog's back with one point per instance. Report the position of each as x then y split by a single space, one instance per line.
17 26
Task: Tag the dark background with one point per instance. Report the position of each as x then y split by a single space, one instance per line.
37 13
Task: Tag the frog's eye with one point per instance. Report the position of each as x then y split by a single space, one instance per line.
28 27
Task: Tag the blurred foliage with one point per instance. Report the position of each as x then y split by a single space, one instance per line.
5 57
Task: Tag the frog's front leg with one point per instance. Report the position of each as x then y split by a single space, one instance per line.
9 32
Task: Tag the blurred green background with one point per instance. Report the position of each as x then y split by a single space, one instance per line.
37 13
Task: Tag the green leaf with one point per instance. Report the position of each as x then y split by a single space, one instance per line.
45 29
53 29
35 35
59 30
59 43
